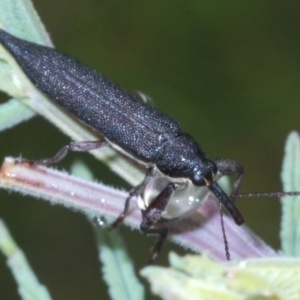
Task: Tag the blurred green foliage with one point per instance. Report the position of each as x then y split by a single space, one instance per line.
228 71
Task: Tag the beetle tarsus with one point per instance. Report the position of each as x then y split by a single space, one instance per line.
156 249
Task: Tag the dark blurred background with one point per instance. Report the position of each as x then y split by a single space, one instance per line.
228 71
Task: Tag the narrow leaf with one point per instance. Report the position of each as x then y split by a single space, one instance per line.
14 112
29 287
198 277
290 176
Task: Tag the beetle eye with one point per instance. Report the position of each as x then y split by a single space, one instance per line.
198 179
205 173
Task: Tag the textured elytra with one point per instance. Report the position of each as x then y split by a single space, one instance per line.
140 130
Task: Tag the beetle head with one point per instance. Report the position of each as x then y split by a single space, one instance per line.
205 174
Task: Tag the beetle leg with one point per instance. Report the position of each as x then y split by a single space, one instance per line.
133 192
73 146
230 167
152 215
156 249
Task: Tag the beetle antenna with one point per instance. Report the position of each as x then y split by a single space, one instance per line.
266 194
226 244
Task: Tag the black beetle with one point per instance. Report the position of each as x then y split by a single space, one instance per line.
176 165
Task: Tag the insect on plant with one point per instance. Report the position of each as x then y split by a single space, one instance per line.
176 166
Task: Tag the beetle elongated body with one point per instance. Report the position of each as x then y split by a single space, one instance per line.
173 158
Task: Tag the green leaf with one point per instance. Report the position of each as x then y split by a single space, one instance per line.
14 112
198 277
290 176
117 267
28 285
20 18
